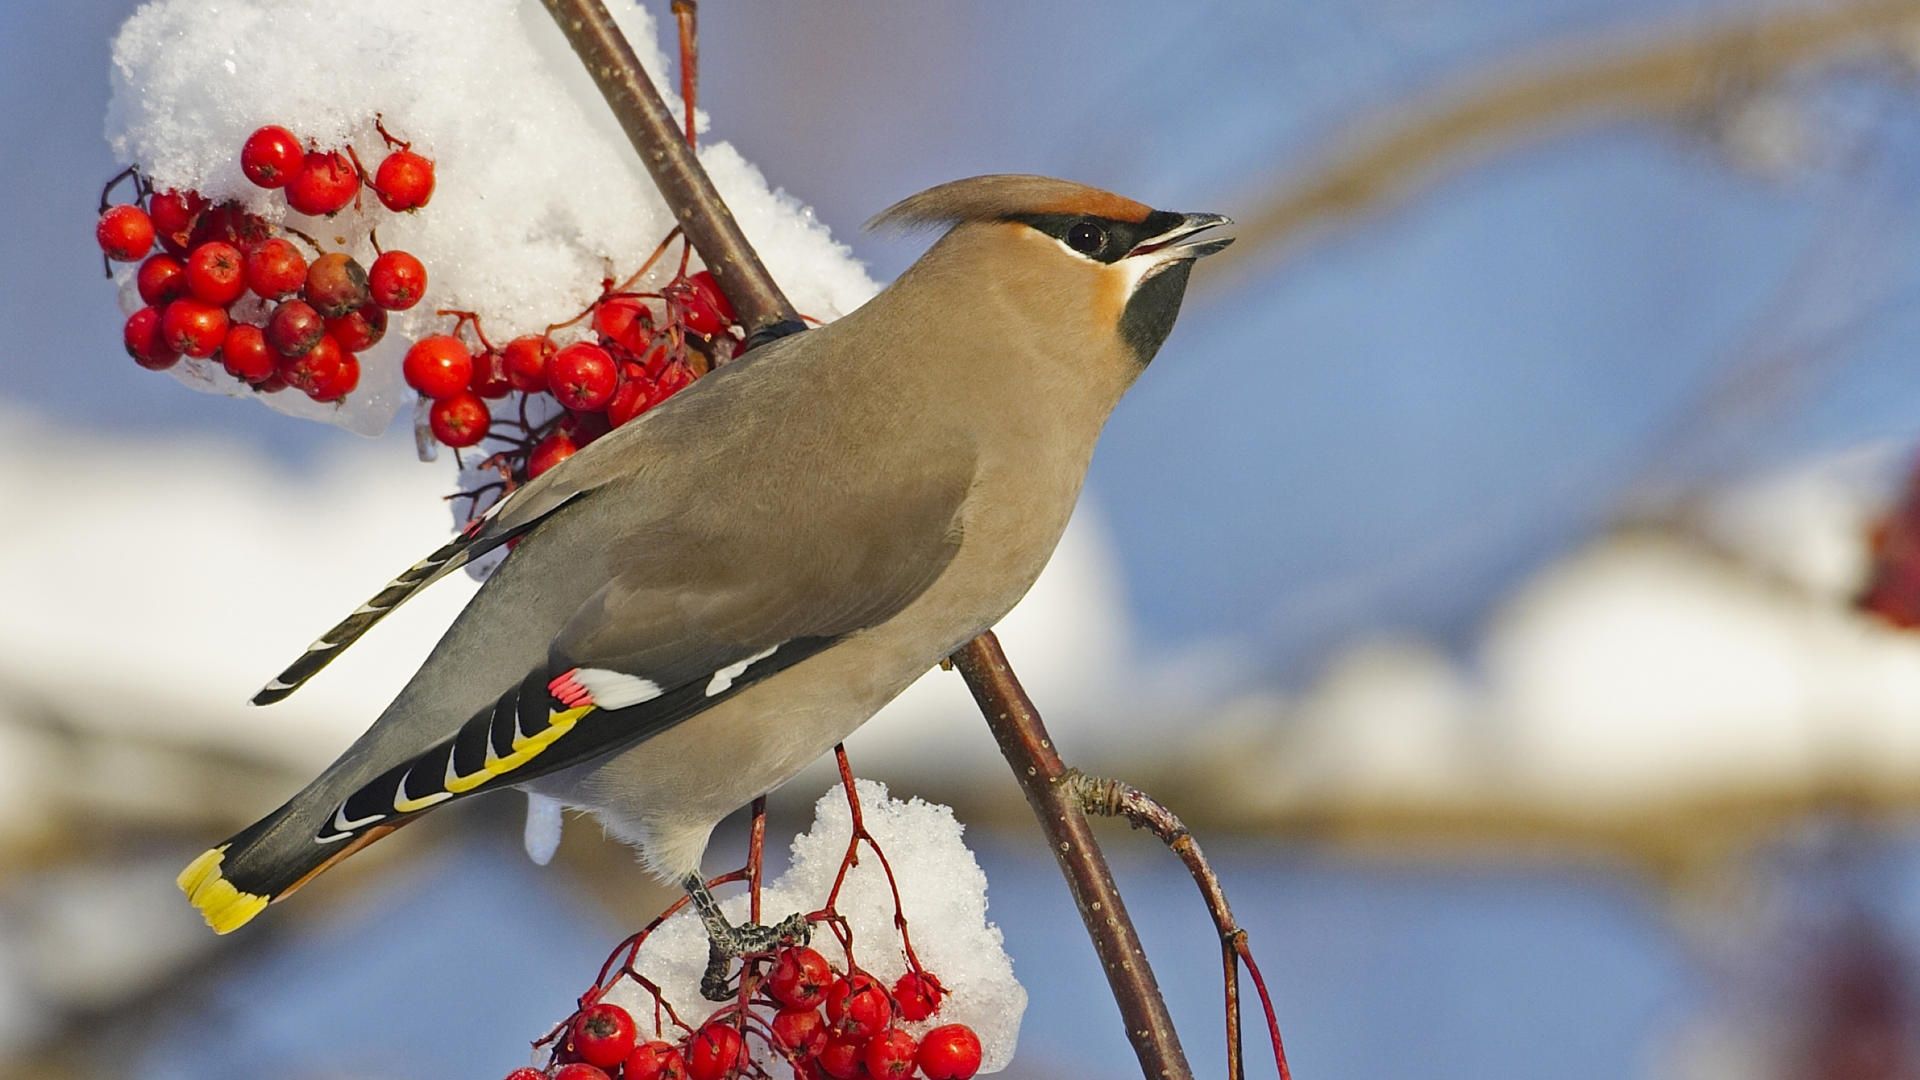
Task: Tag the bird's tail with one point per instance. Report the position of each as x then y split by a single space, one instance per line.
265 862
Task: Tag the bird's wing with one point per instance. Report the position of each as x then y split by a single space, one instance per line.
685 627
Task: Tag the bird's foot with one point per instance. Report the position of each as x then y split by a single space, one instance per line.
727 942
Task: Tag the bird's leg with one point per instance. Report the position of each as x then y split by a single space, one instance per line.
727 942
774 332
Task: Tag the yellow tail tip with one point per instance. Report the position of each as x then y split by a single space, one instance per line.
225 907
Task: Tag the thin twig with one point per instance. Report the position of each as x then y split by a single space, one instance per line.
1117 798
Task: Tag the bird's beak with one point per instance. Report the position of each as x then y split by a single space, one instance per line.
1180 241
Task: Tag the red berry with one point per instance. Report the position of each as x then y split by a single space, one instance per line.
950 1052
271 156
125 233
626 321
655 1061
273 385
583 377
714 1052
548 452
800 978
358 331
246 355
460 420
843 1058
336 284
404 181
229 224
162 279
337 382
526 361
146 341
603 1035
325 184
803 1031
216 273
439 367
889 1055
917 994
633 397
315 371
275 268
709 289
858 1005
194 327
397 280
698 313
580 1070
526 1074
174 214
293 327
672 379
489 373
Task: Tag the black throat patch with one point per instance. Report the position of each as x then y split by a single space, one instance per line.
1150 311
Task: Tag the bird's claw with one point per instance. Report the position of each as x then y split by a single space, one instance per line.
727 943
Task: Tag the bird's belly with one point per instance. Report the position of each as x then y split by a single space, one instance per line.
666 794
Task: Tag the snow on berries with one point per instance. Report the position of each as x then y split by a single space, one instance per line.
231 288
921 989
314 309
362 120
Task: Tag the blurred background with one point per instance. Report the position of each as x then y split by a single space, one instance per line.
1502 567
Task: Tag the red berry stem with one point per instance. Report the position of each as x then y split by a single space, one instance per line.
393 143
141 187
310 241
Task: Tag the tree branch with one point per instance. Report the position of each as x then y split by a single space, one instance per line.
650 127
1043 778
1016 724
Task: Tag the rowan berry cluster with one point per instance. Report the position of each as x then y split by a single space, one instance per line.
644 348
225 283
826 1024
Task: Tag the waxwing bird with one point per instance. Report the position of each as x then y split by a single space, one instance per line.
710 597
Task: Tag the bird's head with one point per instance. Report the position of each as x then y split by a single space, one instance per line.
1076 257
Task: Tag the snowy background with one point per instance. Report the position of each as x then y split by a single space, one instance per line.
1474 572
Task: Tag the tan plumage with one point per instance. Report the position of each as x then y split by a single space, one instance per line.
710 597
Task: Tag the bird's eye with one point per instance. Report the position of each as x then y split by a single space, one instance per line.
1086 238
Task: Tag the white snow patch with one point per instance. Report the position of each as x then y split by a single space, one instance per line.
942 890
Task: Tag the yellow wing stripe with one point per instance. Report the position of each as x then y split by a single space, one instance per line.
525 749
225 907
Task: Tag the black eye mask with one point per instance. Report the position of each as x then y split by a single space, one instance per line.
1100 239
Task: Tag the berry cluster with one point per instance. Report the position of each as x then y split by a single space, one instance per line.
644 347
226 284
827 1025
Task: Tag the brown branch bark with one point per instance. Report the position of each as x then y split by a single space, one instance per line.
1016 724
1044 777
650 127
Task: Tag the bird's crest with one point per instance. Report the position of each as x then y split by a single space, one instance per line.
1004 196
